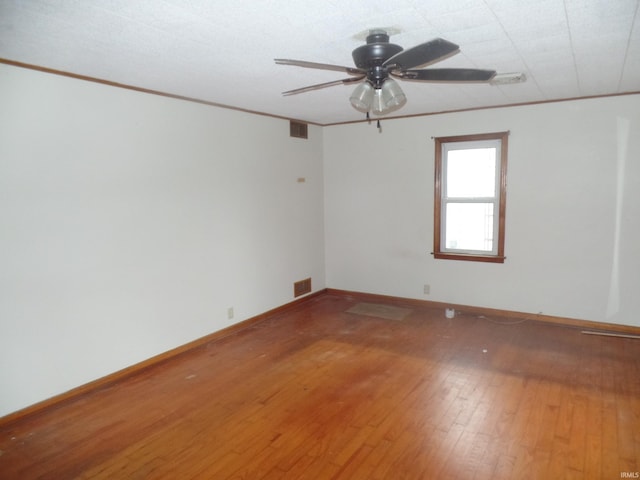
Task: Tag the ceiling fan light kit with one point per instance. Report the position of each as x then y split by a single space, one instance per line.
362 97
392 95
378 60
365 98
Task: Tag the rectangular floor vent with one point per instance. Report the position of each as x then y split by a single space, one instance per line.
302 287
297 129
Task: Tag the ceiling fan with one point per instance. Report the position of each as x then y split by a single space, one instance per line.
378 60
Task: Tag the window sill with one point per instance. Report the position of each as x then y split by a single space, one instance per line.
470 257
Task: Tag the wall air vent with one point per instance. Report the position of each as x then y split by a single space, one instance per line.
298 129
302 287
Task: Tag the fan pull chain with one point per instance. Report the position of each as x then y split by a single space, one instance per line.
377 122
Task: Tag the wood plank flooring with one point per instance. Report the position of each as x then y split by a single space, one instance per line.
318 393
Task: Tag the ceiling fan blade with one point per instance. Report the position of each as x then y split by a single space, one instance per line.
321 66
447 75
423 54
344 81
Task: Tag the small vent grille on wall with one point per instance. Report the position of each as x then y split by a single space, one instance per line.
297 129
302 287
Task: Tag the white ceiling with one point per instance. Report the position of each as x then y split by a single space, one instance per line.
222 51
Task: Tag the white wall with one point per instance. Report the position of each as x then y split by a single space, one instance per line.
130 223
573 210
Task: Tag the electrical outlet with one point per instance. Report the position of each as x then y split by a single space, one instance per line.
230 313
427 289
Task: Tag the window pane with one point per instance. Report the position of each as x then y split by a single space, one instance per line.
469 226
471 173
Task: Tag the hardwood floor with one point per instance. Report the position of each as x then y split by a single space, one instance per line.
319 393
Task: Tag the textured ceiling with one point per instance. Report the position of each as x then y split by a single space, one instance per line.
222 51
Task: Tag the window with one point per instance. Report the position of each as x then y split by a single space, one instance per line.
470 197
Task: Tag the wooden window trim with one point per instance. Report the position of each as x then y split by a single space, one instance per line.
502 204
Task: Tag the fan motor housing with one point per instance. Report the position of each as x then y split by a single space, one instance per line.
376 51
